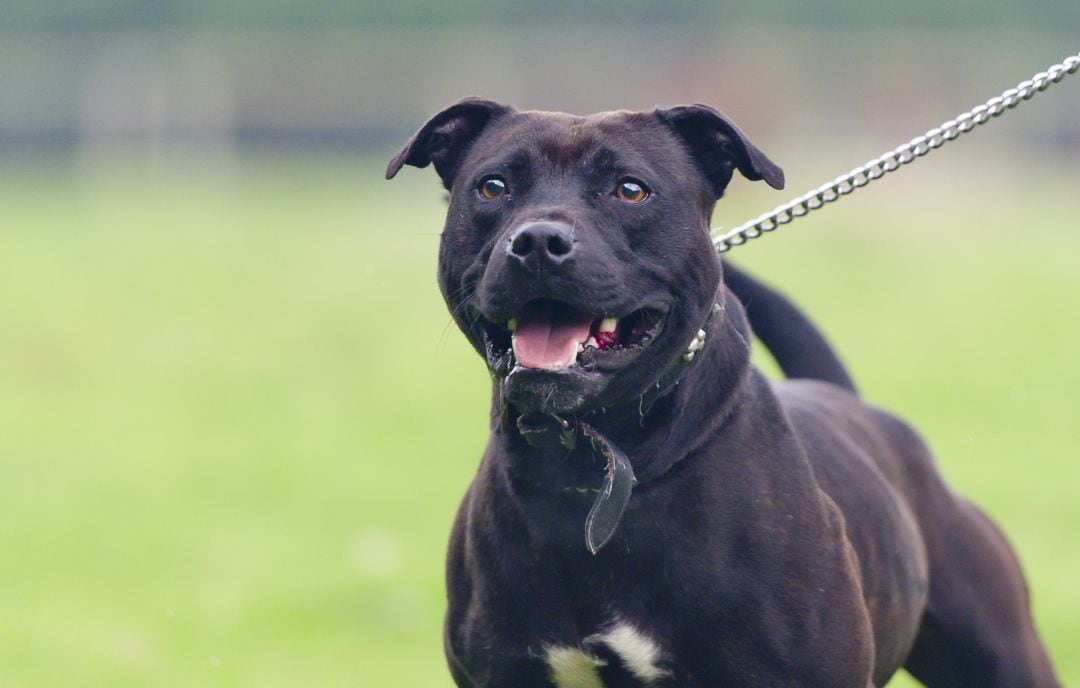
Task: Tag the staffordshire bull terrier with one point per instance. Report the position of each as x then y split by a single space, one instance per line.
650 510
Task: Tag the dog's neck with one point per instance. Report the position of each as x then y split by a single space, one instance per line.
702 401
603 455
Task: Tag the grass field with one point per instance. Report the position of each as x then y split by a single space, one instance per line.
235 421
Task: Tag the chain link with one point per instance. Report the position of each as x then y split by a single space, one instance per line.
896 158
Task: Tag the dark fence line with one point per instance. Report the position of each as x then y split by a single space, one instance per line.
365 88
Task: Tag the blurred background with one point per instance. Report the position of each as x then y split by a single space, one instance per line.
235 419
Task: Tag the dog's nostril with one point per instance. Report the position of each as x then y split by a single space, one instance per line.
558 245
522 244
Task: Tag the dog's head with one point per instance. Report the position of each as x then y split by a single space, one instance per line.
576 254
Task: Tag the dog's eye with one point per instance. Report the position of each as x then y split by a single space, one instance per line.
631 190
492 187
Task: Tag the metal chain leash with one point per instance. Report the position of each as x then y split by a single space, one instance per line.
896 158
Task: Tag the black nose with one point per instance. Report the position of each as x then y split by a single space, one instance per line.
542 244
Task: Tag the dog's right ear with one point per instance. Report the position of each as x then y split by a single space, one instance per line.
446 138
719 147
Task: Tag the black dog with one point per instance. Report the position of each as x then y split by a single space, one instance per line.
778 534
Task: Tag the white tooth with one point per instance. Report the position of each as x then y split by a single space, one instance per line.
591 342
609 324
511 324
580 347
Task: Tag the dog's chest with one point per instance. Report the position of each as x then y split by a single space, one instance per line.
624 654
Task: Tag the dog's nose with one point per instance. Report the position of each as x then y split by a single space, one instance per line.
542 244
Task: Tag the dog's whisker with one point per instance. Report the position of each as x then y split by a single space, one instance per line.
461 290
460 306
444 337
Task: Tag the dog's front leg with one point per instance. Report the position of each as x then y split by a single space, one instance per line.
489 651
527 669
507 622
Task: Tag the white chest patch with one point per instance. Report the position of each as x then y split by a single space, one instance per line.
639 653
572 667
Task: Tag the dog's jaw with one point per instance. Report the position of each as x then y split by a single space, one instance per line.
568 367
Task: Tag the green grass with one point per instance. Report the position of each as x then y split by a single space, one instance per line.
235 421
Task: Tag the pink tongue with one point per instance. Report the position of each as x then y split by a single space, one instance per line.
541 343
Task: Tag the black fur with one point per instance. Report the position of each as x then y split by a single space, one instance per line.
781 534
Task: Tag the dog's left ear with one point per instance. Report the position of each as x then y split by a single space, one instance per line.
446 138
719 147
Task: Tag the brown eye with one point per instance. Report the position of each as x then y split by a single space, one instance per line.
492 187
631 190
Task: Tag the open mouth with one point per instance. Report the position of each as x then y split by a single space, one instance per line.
551 335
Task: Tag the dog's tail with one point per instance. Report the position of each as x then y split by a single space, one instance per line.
798 347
